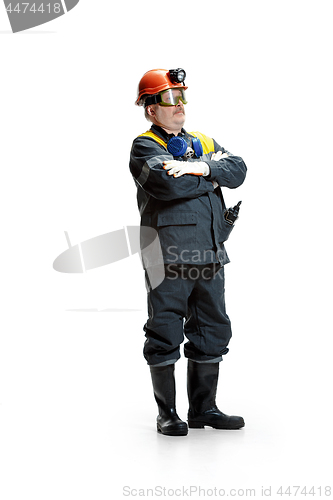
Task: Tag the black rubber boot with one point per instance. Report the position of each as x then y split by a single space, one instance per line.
201 388
168 421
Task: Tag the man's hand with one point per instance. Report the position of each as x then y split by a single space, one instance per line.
219 155
178 168
216 157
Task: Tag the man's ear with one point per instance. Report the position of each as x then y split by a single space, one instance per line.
150 110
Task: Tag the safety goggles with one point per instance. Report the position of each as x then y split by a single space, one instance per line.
169 97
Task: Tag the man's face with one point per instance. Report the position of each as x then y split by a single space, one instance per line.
170 118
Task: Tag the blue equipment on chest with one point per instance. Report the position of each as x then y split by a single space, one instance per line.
178 146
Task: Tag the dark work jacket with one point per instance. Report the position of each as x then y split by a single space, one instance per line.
186 211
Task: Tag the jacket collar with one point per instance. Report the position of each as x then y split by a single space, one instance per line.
163 134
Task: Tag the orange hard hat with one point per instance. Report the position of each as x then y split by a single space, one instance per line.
157 80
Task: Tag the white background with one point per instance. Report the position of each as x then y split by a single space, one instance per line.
76 403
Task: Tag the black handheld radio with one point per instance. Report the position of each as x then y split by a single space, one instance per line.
231 215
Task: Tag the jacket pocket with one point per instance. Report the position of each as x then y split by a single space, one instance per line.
176 219
226 228
178 233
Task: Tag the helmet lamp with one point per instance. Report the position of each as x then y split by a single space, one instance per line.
177 75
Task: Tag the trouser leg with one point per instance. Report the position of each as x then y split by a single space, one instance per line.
207 327
167 307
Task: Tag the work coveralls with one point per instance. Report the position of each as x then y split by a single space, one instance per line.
188 214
